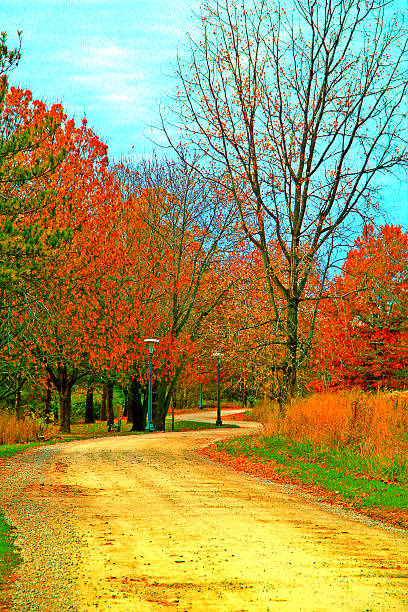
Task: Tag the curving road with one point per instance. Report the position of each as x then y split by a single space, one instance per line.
143 523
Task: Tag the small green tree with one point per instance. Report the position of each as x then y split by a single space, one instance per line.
26 126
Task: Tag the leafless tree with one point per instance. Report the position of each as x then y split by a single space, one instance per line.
303 109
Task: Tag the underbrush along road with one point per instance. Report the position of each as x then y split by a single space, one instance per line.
144 523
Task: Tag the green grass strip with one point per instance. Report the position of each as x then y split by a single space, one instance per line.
195 425
8 450
341 471
9 554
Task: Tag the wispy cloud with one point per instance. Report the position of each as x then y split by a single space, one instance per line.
107 56
112 75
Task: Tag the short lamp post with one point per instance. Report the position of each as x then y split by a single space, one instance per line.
201 396
151 342
218 422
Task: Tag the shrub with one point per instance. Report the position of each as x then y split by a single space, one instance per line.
15 431
376 424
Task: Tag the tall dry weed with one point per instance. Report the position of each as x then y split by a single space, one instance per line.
15 431
376 423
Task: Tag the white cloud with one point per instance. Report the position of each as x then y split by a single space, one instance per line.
107 80
175 31
111 75
126 79
129 95
98 54
107 56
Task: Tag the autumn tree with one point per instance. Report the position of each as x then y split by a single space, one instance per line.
302 109
186 231
66 330
242 328
362 335
26 125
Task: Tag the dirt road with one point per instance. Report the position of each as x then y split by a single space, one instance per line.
142 523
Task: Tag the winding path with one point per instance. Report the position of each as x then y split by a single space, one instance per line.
143 523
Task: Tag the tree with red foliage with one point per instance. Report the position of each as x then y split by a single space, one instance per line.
363 331
65 329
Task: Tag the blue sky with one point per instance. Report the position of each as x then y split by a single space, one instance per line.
113 61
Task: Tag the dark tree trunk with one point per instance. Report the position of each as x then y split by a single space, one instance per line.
125 407
89 406
109 404
163 392
290 371
65 411
103 404
160 406
130 403
17 401
64 392
172 414
137 410
47 401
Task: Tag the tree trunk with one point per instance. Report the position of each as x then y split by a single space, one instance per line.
17 401
64 392
125 407
89 407
137 410
291 363
103 404
47 401
65 410
109 404
130 401
160 406
161 400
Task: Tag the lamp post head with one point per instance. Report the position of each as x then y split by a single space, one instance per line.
218 356
151 342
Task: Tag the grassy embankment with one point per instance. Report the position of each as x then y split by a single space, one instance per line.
350 447
9 554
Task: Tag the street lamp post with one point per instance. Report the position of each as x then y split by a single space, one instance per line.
218 422
201 396
151 342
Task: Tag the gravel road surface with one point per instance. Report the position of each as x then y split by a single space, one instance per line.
143 523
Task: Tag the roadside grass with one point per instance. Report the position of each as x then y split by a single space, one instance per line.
8 450
9 554
341 470
81 431
374 423
195 425
15 431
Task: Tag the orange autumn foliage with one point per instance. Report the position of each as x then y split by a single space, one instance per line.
376 423
363 330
